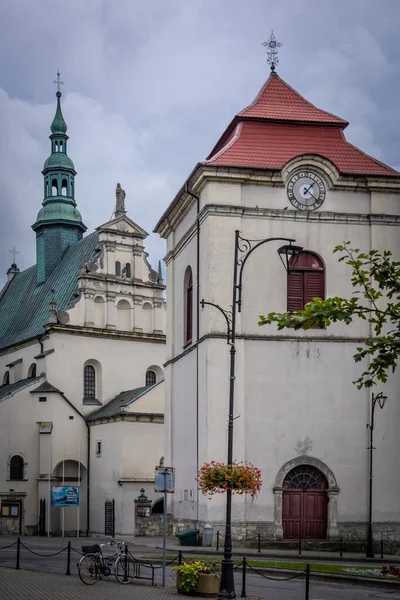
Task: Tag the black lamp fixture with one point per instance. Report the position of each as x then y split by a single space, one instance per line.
289 255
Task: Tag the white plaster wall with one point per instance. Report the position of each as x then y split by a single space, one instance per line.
129 450
27 354
124 364
289 389
19 433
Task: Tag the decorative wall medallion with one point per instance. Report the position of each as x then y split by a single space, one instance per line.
306 190
153 276
62 317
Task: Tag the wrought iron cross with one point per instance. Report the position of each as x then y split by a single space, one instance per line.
14 252
272 52
58 82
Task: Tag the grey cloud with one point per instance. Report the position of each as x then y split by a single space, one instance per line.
149 87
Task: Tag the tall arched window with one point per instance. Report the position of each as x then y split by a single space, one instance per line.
54 187
305 282
6 378
89 383
32 370
188 306
128 270
118 268
150 378
16 467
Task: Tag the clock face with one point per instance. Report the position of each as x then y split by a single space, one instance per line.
306 190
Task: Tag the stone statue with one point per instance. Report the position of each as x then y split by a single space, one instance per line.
120 204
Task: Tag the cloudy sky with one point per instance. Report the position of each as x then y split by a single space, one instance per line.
150 86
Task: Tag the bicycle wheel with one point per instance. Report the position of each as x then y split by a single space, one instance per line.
89 569
124 569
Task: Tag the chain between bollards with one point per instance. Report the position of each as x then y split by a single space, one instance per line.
68 571
18 552
243 594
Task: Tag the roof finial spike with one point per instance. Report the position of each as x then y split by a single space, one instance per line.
160 277
272 52
14 252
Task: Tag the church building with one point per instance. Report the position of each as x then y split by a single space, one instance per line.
282 168
82 347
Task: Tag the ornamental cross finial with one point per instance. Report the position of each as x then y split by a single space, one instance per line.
14 252
58 81
272 52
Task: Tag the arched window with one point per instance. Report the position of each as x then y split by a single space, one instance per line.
61 146
118 268
188 306
32 371
128 270
305 282
150 378
305 477
6 378
54 187
64 186
89 383
16 467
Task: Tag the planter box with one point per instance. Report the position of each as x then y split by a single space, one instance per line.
207 586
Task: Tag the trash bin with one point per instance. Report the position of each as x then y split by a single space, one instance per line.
208 531
188 538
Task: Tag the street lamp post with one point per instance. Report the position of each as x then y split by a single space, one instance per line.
242 251
381 400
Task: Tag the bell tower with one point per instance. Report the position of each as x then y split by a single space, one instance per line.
59 223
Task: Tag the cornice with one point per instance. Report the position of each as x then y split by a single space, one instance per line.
269 338
204 173
106 333
275 214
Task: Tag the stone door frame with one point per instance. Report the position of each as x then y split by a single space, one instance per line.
332 532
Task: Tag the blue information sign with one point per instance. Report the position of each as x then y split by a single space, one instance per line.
65 496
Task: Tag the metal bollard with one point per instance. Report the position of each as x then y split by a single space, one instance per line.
243 594
180 557
299 546
307 596
68 571
381 548
18 552
126 563
341 547
259 542
217 541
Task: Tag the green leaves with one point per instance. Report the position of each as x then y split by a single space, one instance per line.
375 277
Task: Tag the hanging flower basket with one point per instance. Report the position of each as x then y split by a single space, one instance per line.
242 478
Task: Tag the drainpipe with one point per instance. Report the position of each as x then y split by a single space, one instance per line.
197 337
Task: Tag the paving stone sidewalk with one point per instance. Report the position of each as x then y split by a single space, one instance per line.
38 585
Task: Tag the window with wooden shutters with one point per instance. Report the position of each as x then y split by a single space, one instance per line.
305 282
188 306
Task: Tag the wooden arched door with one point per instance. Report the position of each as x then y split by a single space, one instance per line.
305 503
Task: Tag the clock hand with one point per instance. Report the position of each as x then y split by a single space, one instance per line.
312 195
308 191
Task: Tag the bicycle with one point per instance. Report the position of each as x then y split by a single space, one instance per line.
94 566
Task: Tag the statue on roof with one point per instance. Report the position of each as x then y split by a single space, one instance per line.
120 201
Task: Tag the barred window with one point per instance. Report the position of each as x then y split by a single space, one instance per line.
89 382
16 467
150 378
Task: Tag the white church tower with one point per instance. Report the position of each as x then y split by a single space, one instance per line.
282 168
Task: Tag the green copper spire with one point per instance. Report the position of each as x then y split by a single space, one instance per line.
58 125
59 223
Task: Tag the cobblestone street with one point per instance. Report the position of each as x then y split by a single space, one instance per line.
38 585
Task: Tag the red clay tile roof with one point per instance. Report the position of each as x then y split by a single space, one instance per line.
280 125
272 145
277 101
